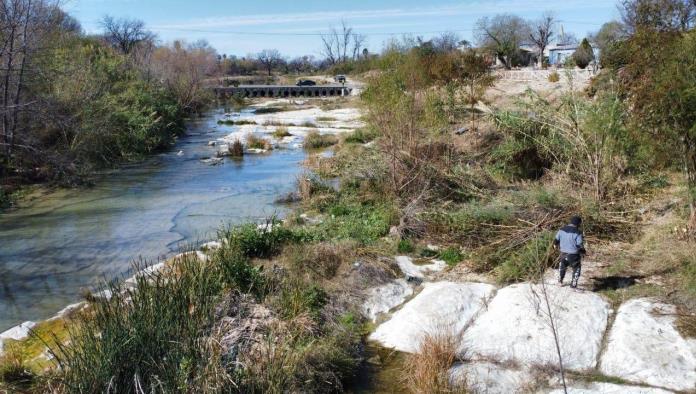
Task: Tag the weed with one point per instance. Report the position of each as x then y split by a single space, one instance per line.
231 122
308 124
523 264
269 110
251 241
297 297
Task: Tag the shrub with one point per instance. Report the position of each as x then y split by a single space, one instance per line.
361 136
404 246
236 149
314 140
254 142
281 132
554 77
231 122
451 256
297 297
584 55
527 263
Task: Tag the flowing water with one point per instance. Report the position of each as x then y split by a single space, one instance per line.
72 239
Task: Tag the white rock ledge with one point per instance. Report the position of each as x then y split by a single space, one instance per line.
441 308
645 347
382 299
417 271
516 329
489 378
608 388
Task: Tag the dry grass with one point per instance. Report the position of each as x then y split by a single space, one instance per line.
280 132
428 370
254 142
236 149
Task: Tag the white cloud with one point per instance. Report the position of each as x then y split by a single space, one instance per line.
472 8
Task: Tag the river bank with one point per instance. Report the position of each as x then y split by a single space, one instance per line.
62 242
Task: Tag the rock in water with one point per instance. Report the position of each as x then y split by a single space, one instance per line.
441 308
383 298
516 327
645 347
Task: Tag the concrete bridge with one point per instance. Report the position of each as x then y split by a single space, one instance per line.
256 91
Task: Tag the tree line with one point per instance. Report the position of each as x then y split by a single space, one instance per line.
72 102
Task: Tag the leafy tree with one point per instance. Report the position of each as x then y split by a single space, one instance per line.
658 15
584 55
608 38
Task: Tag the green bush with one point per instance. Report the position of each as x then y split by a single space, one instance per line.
451 256
251 241
404 246
297 297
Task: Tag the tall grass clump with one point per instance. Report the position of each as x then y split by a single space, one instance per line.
236 149
152 337
427 371
314 140
281 132
254 142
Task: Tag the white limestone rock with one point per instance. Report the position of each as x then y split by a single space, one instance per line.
516 327
645 347
608 388
441 308
17 333
417 271
485 377
210 246
382 299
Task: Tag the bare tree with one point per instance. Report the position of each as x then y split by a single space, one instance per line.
269 58
24 24
502 36
540 33
125 34
341 44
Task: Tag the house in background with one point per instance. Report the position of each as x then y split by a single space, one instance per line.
559 53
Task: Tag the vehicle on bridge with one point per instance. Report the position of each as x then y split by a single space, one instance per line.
340 78
305 82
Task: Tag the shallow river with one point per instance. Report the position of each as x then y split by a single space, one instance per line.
71 239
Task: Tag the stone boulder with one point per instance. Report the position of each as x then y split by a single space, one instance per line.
645 347
16 333
515 328
441 308
382 299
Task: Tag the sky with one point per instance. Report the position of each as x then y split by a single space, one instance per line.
239 28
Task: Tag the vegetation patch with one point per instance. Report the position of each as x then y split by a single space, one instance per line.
314 140
281 132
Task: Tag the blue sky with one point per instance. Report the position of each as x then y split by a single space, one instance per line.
243 27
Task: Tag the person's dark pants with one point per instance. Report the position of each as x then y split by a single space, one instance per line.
572 260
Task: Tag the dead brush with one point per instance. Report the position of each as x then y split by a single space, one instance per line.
427 371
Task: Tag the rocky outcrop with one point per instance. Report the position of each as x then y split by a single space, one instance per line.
516 328
440 307
486 377
16 333
608 388
645 347
418 271
382 299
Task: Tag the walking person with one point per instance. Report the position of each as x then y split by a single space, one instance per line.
572 245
